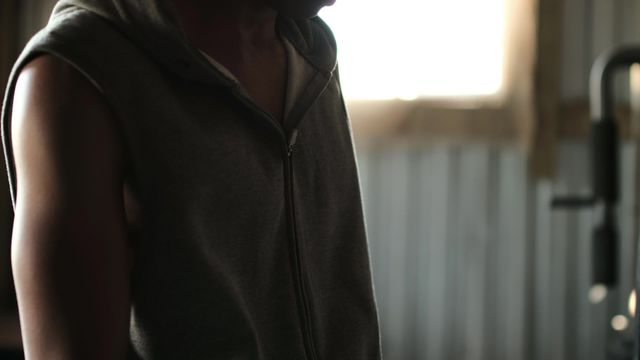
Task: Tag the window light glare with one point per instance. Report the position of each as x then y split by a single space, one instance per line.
597 293
407 49
619 323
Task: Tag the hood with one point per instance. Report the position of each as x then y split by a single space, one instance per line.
153 26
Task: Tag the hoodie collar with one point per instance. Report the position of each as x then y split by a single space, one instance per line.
153 26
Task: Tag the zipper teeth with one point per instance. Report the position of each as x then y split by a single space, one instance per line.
288 152
305 302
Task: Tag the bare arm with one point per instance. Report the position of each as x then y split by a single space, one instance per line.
69 248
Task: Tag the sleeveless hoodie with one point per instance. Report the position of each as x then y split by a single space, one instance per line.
250 242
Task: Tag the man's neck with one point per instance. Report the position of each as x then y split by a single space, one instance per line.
228 25
240 35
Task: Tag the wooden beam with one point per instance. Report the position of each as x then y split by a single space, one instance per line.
428 122
575 121
547 88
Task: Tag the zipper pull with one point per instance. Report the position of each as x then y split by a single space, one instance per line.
292 141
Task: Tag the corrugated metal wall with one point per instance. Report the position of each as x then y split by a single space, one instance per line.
470 262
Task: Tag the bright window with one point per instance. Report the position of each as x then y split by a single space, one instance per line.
409 49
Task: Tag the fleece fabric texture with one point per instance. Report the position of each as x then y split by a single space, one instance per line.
251 242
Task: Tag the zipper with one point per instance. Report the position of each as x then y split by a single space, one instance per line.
298 113
299 273
301 295
298 259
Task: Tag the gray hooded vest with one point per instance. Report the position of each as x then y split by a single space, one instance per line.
250 243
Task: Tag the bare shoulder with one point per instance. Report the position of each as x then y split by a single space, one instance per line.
61 125
51 83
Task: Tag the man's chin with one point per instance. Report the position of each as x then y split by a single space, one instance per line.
305 12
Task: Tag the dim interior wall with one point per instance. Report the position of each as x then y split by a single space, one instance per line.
7 53
33 15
